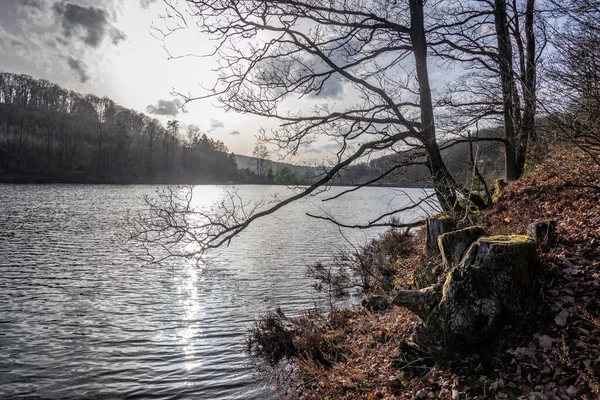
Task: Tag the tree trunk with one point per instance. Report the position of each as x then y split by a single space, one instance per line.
507 83
529 90
443 182
417 301
454 245
544 233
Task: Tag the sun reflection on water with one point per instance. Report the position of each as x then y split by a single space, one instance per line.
193 312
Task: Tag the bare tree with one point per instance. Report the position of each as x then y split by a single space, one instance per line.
573 76
260 156
499 53
271 51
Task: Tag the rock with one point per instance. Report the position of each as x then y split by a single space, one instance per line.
496 281
437 225
377 303
544 233
453 245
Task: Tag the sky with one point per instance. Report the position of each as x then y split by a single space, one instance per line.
113 48
110 48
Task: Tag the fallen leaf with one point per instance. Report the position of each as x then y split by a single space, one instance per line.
561 318
545 342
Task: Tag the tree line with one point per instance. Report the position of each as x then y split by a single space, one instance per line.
50 134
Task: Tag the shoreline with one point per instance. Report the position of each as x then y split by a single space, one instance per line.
367 353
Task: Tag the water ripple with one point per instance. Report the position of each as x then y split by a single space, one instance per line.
80 318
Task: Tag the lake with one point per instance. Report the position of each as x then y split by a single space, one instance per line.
82 318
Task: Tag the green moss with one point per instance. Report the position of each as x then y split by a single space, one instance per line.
447 283
509 239
441 216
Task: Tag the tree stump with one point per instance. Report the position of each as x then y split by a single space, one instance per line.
544 234
496 282
437 225
454 245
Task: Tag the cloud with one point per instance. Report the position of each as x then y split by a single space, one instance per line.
333 146
234 132
90 21
215 124
333 88
165 107
79 68
311 149
117 36
146 3
33 3
16 43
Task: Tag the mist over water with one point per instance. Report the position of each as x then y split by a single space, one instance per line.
81 318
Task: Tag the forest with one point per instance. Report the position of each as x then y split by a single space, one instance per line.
50 134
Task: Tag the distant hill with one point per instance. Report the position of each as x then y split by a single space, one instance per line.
245 162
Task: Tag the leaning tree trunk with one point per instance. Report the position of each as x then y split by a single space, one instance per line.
443 183
529 89
495 283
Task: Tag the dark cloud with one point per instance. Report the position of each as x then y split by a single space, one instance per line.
215 124
91 21
165 107
79 68
234 132
14 43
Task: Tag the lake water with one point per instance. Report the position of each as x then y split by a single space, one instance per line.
81 318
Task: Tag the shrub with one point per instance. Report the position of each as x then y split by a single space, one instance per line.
271 338
364 267
276 337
